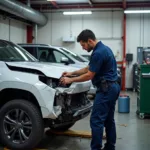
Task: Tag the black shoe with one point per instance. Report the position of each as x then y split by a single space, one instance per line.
104 148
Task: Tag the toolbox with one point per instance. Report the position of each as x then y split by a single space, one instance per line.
143 91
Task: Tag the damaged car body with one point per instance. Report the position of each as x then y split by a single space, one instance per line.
32 98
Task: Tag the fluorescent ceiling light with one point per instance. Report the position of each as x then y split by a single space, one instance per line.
77 13
136 11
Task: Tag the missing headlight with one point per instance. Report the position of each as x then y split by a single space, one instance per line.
50 82
53 83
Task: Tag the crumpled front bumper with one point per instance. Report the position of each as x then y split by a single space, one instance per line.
92 90
74 88
77 87
83 111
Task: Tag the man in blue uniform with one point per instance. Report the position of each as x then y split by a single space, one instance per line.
102 70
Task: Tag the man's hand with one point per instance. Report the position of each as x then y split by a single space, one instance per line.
66 80
67 74
85 77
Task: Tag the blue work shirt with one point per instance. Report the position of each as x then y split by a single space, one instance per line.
103 63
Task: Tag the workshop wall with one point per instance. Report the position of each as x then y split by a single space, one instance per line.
108 27
137 35
12 30
105 24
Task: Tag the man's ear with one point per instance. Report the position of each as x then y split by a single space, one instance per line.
90 40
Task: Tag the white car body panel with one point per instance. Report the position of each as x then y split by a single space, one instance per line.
77 63
30 82
54 71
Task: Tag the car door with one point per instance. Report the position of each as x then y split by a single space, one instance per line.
52 55
59 55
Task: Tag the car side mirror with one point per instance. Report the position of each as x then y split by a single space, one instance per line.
65 60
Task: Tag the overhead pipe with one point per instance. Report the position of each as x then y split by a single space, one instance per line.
29 3
90 3
23 11
137 4
82 6
105 5
94 5
54 4
124 49
29 34
124 54
35 38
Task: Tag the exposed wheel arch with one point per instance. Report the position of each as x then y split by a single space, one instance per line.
10 94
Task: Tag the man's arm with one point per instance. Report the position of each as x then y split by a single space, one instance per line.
81 71
84 77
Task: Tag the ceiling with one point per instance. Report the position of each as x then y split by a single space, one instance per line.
75 4
46 6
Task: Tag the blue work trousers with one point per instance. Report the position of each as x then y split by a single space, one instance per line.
103 116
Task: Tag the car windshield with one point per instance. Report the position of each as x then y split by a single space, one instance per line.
86 57
12 52
74 55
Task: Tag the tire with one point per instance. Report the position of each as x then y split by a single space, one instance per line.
62 128
21 125
141 115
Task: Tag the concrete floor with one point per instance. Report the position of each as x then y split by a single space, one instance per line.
132 133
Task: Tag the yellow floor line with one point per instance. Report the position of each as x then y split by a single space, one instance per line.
74 133
33 149
84 134
40 149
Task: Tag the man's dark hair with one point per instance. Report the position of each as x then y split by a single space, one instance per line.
85 35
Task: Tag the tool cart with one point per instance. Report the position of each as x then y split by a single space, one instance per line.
143 91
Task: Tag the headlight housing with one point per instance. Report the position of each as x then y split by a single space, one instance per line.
52 82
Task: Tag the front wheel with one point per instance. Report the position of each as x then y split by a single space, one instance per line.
21 125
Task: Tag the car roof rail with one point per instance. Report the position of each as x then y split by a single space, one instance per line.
29 44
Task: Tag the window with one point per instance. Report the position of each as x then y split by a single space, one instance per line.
58 56
74 55
43 54
51 55
12 52
31 50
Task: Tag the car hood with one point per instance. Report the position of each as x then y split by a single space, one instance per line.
50 70
86 63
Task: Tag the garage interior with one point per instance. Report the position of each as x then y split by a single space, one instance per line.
114 23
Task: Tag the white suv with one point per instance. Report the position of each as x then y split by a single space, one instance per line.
57 55
31 98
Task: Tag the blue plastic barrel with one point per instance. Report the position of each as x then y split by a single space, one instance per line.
124 104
